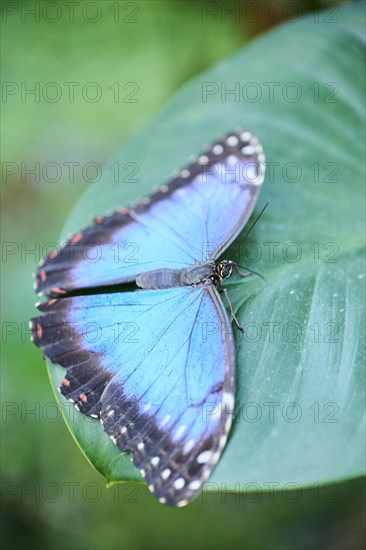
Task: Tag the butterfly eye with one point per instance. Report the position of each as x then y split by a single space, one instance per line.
225 271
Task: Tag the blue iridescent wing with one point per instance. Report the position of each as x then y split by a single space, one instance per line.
190 220
157 367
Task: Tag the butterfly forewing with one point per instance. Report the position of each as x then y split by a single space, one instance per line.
190 220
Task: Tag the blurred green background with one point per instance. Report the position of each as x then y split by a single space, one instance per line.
141 52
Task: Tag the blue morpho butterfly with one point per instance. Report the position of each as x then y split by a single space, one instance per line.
164 354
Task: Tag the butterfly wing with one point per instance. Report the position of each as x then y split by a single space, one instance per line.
192 219
157 367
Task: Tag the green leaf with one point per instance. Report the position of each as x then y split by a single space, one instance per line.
299 404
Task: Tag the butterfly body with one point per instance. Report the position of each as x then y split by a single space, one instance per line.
156 365
167 278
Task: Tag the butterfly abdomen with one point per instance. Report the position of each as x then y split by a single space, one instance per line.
169 278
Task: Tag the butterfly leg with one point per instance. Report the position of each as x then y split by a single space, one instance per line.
247 273
224 291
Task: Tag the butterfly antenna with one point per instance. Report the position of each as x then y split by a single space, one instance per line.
247 270
255 221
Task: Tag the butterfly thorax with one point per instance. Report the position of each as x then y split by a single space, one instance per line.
207 273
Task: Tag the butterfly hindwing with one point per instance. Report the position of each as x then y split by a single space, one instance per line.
191 219
167 399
